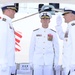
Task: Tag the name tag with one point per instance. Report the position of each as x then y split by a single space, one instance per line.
38 35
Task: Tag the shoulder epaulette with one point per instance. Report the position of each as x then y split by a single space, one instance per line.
3 19
73 24
53 30
36 29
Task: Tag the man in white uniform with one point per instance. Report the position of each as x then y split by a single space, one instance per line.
69 41
7 39
44 47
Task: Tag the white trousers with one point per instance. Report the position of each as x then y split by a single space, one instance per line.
65 71
12 69
58 69
5 71
43 70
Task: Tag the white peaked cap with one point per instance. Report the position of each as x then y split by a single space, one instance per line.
66 9
48 14
10 5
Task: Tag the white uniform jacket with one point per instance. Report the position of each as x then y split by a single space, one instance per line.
7 41
68 44
65 46
71 42
11 45
44 43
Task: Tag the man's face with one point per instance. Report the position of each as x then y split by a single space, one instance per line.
12 13
45 22
67 17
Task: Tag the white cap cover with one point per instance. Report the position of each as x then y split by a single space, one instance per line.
11 6
45 15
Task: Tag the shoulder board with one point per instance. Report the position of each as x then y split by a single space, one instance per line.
36 29
53 30
3 19
73 24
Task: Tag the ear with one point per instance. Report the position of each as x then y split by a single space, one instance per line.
49 20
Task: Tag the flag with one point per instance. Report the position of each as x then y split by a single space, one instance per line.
18 36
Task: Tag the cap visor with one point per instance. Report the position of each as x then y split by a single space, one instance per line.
45 17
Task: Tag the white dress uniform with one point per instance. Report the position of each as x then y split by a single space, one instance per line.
69 46
63 36
11 47
7 45
44 51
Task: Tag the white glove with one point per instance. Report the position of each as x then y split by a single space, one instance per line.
58 20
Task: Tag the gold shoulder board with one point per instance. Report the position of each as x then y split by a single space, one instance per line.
36 29
53 30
